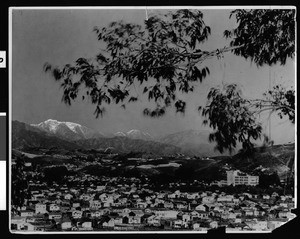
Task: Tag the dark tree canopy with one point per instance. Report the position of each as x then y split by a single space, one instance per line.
267 36
234 118
165 57
228 113
19 184
165 50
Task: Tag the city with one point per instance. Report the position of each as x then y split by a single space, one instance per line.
103 203
153 119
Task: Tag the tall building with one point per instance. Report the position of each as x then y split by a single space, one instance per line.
236 177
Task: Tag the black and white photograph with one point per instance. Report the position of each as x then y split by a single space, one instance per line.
152 119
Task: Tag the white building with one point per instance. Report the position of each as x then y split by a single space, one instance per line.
236 177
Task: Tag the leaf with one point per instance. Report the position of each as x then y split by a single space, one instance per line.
132 99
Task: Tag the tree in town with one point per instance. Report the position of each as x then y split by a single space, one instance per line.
165 59
19 189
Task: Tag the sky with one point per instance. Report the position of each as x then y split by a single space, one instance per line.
62 36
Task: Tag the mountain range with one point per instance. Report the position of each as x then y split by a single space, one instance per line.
74 135
190 142
26 137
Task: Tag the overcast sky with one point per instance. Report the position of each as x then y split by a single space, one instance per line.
61 36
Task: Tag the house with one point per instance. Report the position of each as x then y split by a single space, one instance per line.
231 215
196 226
192 196
249 212
141 205
95 213
148 210
68 196
180 205
154 221
208 199
17 222
95 204
66 225
64 208
201 207
274 194
203 215
134 219
194 214
236 201
166 213
30 227
178 224
237 220
125 211
76 214
36 218
168 205
86 197
225 198
100 188
186 217
54 215
137 212
266 196
285 213
36 226
108 202
108 223
86 224
39 196
76 204
26 213
40 208
213 224
53 207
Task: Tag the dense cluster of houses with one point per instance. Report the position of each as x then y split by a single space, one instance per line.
117 204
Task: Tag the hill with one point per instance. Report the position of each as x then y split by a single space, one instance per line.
276 158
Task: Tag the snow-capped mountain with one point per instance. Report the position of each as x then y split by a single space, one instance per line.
67 130
135 134
121 134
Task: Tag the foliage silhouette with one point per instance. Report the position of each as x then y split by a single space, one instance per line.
165 57
19 183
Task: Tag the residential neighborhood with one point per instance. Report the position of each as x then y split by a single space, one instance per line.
121 204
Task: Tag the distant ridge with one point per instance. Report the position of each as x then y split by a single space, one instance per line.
135 134
192 142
